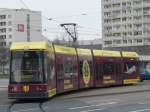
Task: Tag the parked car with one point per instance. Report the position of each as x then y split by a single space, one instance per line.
145 74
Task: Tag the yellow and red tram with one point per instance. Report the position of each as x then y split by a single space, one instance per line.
42 70
85 68
130 67
107 68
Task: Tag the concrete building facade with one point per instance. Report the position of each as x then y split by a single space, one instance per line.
17 25
126 26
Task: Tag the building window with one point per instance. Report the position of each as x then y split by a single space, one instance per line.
10 36
108 42
116 5
3 30
2 23
2 16
125 41
139 40
130 41
116 34
124 18
107 14
117 41
107 6
107 20
137 33
9 29
116 19
124 34
3 44
2 37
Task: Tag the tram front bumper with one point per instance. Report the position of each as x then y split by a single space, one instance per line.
27 95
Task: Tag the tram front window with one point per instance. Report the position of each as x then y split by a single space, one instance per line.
26 67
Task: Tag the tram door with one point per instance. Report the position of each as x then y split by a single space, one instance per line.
86 74
119 69
98 73
67 73
109 75
112 71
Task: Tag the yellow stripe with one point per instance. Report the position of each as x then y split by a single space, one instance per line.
52 92
64 50
97 52
130 54
28 45
131 81
105 53
86 52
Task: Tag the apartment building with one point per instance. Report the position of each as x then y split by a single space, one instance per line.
126 26
17 25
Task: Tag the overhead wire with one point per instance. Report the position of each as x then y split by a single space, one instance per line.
54 20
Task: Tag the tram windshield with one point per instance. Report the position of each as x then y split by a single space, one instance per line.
26 67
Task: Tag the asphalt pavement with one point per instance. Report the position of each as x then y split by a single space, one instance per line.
4 83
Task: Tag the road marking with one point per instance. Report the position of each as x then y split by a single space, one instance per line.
3 105
96 101
142 110
26 110
100 104
92 110
142 103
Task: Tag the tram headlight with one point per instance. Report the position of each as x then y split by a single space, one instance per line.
15 89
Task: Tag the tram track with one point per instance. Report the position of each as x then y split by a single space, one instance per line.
39 107
10 106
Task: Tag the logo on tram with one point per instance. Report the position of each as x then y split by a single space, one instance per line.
86 72
26 88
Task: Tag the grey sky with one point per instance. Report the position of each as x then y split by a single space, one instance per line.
64 11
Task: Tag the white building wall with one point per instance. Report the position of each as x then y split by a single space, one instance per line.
126 26
15 17
126 23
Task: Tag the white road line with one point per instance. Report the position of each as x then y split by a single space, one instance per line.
3 105
142 110
23 110
100 104
142 103
92 110
108 100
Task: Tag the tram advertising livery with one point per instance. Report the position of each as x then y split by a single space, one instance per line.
42 70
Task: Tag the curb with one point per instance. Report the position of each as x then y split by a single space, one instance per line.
3 87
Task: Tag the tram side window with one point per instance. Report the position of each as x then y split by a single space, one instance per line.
108 68
69 67
118 68
130 67
59 65
98 71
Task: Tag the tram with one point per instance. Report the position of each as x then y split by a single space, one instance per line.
42 70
